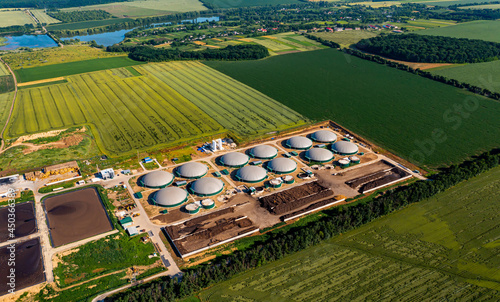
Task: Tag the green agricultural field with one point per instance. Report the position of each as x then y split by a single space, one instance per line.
43 17
145 7
483 30
10 18
347 38
3 70
441 249
425 24
285 43
5 103
86 24
401 112
171 103
485 75
485 6
66 69
454 2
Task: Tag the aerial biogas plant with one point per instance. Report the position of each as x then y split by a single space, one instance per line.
230 191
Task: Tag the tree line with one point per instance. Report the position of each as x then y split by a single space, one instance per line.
279 243
431 49
462 85
77 16
228 53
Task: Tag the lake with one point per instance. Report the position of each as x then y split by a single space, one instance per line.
105 39
32 41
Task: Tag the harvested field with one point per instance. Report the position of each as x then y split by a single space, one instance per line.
29 265
294 198
208 230
25 221
75 216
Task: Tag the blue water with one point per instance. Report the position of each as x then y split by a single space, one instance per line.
32 41
201 20
106 39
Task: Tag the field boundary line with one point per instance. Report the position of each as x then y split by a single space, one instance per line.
11 106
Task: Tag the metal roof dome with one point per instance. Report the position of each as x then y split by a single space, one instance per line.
299 142
264 152
319 154
170 197
157 179
324 136
251 174
234 159
345 148
206 186
282 165
192 170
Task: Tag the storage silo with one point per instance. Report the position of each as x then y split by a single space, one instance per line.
192 208
344 163
344 148
288 179
156 179
234 159
282 165
324 136
191 170
251 174
207 186
299 143
355 159
263 152
170 197
207 203
319 155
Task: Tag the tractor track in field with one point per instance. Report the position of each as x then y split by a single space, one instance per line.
11 107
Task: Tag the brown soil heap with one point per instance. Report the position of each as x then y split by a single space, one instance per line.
75 216
29 265
25 221
377 179
296 197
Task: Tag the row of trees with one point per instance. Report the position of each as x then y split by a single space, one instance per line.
462 85
229 53
431 49
77 16
282 243
323 41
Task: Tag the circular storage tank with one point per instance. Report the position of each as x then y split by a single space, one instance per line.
234 159
324 136
345 148
207 203
288 179
263 152
156 179
251 174
192 170
355 159
192 208
276 183
207 186
170 197
344 163
319 155
299 143
282 165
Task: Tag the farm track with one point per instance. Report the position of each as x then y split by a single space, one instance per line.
168 104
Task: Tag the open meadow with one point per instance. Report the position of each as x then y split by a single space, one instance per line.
484 6
483 30
406 114
485 75
43 17
143 8
49 56
285 43
245 3
441 249
71 68
12 17
167 104
5 103
347 38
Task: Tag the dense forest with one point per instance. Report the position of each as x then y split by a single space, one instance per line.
282 243
431 49
52 3
77 16
229 53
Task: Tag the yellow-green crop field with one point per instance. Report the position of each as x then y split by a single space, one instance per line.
286 42
3 70
43 17
167 104
11 17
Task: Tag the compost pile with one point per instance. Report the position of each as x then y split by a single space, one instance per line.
294 198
